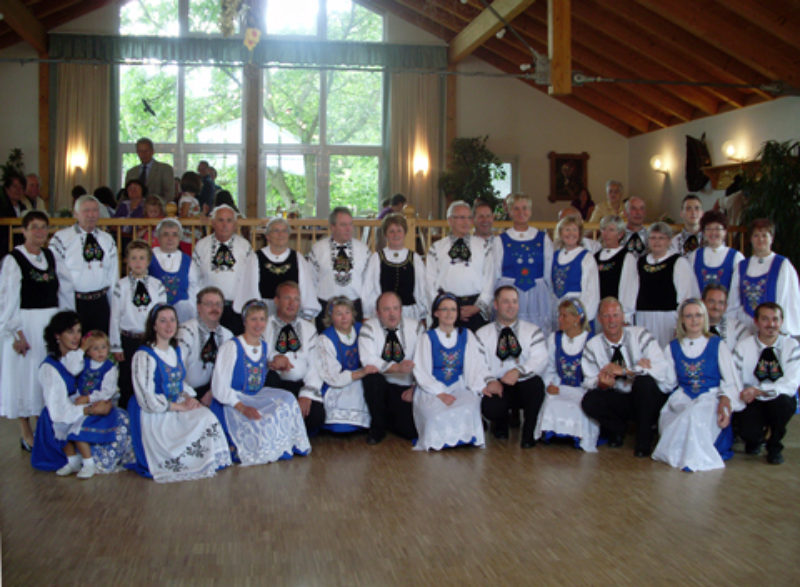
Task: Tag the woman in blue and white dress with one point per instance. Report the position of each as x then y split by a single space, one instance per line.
695 422
340 369
175 437
561 413
450 368
263 424
175 269
715 262
574 273
79 430
768 277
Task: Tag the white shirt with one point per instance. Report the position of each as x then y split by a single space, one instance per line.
474 376
787 351
124 314
192 337
330 284
372 283
304 360
225 278
78 274
59 403
144 383
636 343
787 293
570 346
531 361
223 370
460 278
372 339
248 286
732 331
171 263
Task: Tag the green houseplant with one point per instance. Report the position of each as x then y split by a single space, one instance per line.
772 190
471 172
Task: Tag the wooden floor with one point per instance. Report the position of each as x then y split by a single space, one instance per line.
350 514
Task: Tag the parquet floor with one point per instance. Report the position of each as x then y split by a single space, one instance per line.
356 515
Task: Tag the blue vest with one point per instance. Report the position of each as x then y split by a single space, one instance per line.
91 379
721 275
567 278
448 363
169 380
176 284
568 366
249 376
523 261
697 376
756 290
347 355
69 379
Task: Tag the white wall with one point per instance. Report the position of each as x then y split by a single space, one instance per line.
748 127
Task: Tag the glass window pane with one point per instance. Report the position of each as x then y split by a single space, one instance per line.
213 105
130 160
354 183
204 17
227 166
292 17
291 106
503 186
355 105
148 103
347 21
291 182
152 17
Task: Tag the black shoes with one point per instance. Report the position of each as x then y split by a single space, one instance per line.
23 444
615 440
641 454
775 458
752 448
373 439
527 443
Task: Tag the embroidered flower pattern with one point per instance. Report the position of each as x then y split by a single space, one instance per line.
42 276
694 372
172 284
450 362
254 376
654 268
560 273
569 369
754 291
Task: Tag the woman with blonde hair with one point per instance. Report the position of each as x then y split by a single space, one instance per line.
574 273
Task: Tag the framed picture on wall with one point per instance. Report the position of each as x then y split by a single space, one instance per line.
568 174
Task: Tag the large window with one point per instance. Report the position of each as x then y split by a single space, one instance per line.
321 131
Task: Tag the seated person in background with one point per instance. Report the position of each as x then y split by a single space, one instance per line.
715 262
199 340
662 281
133 204
715 298
574 273
623 370
612 205
108 203
523 257
174 269
263 424
768 363
636 240
691 237
291 347
189 207
695 422
340 369
394 206
462 264
449 368
35 199
388 342
583 203
134 296
517 356
561 413
153 209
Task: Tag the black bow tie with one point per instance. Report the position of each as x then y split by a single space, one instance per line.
691 243
714 330
768 368
287 340
91 249
392 349
507 344
635 244
460 250
342 262
141 297
616 356
223 258
208 354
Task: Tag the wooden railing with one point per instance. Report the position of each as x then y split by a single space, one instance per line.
422 233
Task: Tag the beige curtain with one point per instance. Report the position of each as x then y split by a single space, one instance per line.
416 133
82 130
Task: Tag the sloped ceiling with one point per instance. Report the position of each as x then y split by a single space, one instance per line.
664 61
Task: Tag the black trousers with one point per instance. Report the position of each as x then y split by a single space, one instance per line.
526 395
476 320
614 409
129 346
202 390
387 409
316 415
319 321
759 416
231 320
94 314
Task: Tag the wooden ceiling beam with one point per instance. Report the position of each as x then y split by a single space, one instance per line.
484 26
559 46
680 63
24 23
612 107
410 16
780 18
73 11
711 21
628 99
718 63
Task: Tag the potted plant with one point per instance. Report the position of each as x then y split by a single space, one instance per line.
471 172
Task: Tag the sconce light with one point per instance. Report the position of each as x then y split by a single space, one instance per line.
501 33
78 159
420 163
730 150
658 164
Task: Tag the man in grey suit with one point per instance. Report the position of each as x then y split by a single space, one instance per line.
158 177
